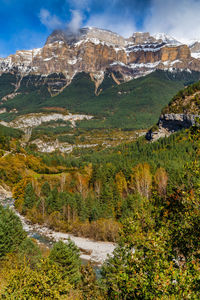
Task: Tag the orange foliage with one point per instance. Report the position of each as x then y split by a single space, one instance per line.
100 230
18 192
161 179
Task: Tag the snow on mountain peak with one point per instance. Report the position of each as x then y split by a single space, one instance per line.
168 39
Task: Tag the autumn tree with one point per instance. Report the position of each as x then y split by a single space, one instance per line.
121 183
19 192
161 179
142 179
88 284
44 282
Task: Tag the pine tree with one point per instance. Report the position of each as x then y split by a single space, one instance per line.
52 201
45 190
67 257
29 251
11 231
29 197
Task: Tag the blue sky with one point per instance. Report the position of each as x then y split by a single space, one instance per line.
25 24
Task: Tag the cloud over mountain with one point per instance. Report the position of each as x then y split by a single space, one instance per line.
180 19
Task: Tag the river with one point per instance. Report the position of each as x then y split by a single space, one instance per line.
90 250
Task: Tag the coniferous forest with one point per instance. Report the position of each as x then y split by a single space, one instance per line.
143 196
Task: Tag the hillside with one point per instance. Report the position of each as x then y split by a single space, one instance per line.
183 111
132 105
187 101
139 195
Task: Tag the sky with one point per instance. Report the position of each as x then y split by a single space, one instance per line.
26 24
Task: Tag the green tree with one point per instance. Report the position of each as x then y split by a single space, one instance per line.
45 282
67 257
45 190
11 231
29 197
52 201
143 267
29 251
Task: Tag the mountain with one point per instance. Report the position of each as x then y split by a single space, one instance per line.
105 80
94 50
195 49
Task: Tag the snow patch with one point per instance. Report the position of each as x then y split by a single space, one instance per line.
196 55
167 39
72 61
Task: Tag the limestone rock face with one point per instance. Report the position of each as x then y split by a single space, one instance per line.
94 50
170 123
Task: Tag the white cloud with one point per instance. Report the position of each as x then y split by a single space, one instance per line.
180 19
107 21
49 20
76 21
80 4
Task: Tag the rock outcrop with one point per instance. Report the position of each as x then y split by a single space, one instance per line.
30 121
170 123
5 192
93 51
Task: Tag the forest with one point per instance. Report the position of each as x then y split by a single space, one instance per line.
143 196
151 191
131 105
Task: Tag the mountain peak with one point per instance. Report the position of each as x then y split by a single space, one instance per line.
70 37
168 39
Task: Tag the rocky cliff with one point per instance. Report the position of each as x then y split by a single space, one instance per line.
170 123
93 51
182 112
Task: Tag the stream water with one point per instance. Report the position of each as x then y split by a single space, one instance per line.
27 227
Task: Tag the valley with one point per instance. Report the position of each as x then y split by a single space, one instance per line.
90 250
99 155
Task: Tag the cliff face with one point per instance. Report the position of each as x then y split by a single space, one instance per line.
170 123
92 50
182 112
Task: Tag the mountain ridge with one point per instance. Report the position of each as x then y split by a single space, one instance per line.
94 50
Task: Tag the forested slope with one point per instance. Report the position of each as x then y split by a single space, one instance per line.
134 105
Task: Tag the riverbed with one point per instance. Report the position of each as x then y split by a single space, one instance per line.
91 250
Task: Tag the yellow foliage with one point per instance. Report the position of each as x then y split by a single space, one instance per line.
102 229
141 180
121 183
18 192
